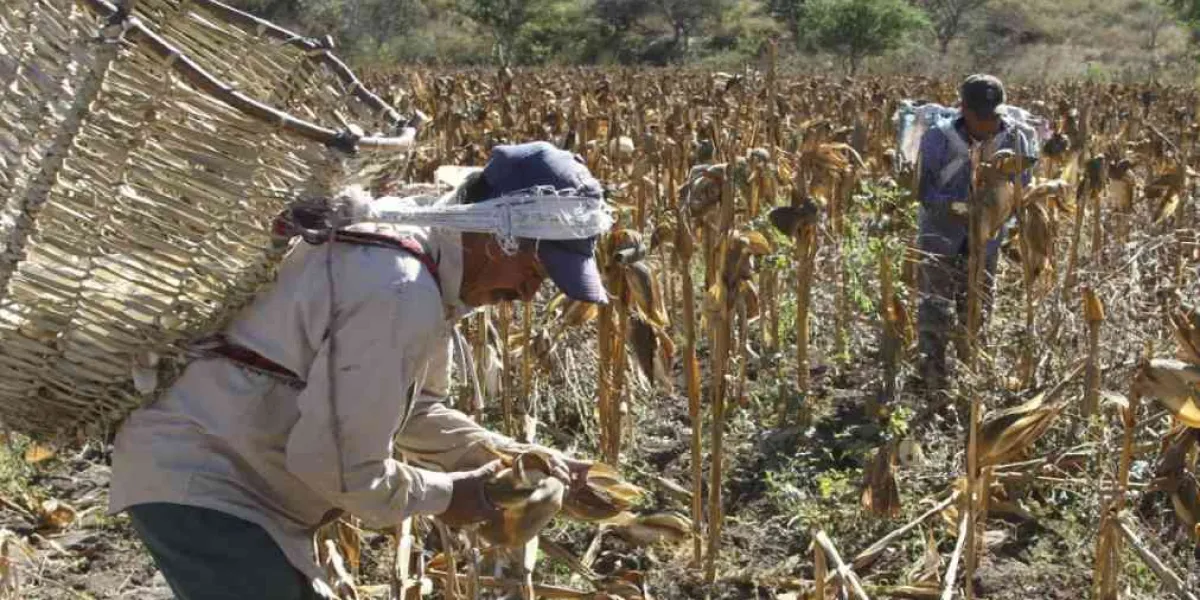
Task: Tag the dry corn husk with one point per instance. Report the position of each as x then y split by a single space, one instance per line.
602 499
653 529
1005 434
1167 187
1176 456
528 498
1186 320
1037 228
1093 309
36 453
757 243
1185 499
1122 185
1042 192
55 514
1174 384
643 287
997 191
577 313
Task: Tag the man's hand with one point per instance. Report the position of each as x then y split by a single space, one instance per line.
468 501
959 212
572 472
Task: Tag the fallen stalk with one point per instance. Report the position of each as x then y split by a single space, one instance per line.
1052 460
952 568
868 556
557 552
911 592
1014 477
844 572
1168 578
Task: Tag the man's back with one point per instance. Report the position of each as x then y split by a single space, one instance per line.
229 439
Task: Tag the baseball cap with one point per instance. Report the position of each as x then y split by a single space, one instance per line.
982 94
571 264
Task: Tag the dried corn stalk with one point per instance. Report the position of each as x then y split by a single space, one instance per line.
1093 311
799 221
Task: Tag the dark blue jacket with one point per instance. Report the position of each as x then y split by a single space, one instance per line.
944 166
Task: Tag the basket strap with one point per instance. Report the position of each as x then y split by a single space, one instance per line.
219 346
312 224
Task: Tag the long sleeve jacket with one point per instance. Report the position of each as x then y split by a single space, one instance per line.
236 440
944 177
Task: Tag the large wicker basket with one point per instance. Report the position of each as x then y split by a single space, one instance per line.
144 150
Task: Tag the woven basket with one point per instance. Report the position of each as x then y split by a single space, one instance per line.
144 151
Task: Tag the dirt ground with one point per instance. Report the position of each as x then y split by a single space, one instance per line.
95 556
784 481
783 484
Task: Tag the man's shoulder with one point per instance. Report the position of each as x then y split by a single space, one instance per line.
938 133
385 273
415 299
933 142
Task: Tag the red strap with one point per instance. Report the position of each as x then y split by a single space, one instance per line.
404 244
221 346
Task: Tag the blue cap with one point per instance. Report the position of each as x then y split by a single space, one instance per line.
571 264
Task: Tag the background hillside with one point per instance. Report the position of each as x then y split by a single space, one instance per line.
1110 40
1106 39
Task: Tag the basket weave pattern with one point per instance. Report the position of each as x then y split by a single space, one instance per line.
137 207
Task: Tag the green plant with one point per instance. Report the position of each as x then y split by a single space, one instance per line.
860 29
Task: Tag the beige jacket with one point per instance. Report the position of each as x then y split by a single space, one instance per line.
245 443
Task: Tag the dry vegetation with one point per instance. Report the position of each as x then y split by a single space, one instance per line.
752 376
751 199
1036 41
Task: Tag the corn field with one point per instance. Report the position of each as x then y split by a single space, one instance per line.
764 278
750 394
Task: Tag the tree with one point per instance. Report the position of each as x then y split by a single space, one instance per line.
685 16
558 31
858 29
1158 18
1188 10
504 18
272 10
621 29
358 27
948 18
620 15
791 14
744 26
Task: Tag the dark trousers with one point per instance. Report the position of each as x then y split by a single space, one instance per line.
209 555
942 314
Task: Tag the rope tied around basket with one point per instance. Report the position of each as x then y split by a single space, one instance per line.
117 24
347 139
